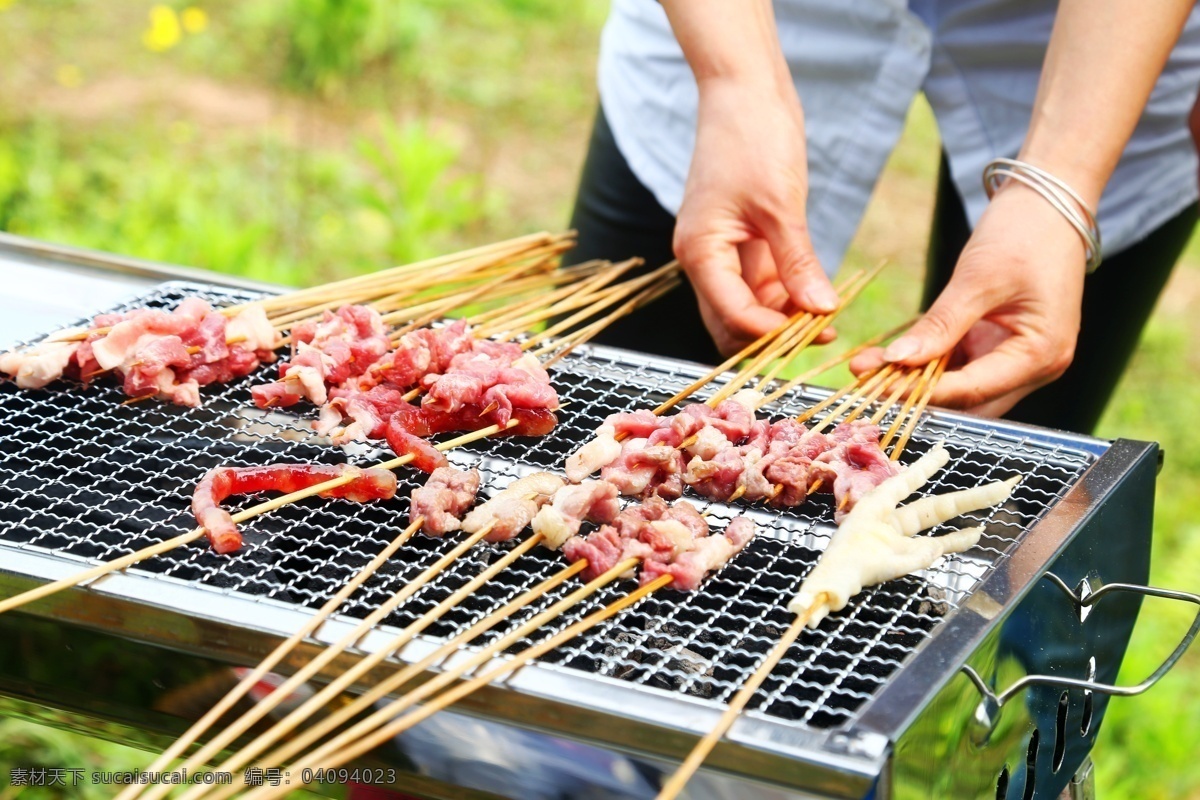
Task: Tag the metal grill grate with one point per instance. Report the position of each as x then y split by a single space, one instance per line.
85 477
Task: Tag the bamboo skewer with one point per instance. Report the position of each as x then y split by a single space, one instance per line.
899 388
449 676
713 374
794 324
900 381
388 281
320 660
566 280
836 360
867 392
446 307
607 298
926 374
837 396
274 657
569 343
798 337
592 303
313 734
509 249
352 744
802 332
920 407
705 746
569 297
503 289
123 562
402 312
572 340
430 292
364 665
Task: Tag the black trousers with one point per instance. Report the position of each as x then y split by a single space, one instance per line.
617 217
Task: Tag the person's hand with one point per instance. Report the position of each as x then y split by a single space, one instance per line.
741 234
1010 313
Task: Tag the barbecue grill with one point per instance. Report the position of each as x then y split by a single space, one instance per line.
982 677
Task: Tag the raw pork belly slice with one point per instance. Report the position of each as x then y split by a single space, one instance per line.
421 352
559 520
369 413
777 462
423 422
668 540
34 367
443 499
853 465
343 345
708 554
114 348
154 353
597 452
650 531
221 482
468 383
642 470
514 507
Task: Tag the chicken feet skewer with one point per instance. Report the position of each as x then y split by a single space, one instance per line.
876 542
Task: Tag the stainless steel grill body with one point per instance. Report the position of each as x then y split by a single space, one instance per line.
871 704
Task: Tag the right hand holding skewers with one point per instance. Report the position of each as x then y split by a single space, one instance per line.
1010 313
742 235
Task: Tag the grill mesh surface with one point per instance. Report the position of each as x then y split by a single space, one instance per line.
85 477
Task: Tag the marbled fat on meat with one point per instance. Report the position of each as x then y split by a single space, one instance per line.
443 499
513 507
572 504
708 554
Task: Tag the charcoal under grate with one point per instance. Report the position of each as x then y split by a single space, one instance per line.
84 476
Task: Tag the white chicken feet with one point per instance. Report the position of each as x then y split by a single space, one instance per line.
877 541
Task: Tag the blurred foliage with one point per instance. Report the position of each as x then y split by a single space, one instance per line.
328 43
409 191
1147 747
48 752
309 217
27 746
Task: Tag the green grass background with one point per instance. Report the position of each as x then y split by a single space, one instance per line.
298 141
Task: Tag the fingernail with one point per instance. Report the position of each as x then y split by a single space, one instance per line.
821 298
901 349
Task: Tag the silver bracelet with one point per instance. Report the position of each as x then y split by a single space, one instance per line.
1057 193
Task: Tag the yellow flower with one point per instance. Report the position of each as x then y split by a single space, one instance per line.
163 33
68 75
194 19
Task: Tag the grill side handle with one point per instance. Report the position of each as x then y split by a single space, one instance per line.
1083 601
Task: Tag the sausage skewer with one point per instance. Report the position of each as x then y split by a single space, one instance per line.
129 560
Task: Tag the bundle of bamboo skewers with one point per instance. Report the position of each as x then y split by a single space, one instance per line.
524 291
